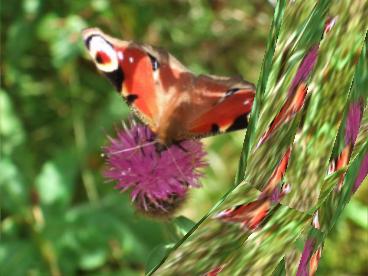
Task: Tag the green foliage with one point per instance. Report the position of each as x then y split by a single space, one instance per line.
216 244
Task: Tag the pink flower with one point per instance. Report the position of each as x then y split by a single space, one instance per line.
158 179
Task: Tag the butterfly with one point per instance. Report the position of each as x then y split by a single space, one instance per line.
175 103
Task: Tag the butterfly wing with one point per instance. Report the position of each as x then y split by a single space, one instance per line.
128 67
231 101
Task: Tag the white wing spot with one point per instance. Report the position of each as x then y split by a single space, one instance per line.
131 59
99 44
246 102
155 75
120 55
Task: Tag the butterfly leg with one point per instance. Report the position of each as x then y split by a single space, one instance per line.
180 146
160 148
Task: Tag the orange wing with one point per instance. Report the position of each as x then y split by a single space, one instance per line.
230 102
230 113
128 67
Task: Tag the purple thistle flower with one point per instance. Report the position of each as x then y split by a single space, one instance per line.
353 122
158 180
363 171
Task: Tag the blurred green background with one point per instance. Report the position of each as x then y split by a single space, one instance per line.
59 216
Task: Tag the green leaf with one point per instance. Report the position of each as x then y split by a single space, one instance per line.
156 256
93 259
20 258
183 225
65 43
280 269
55 182
11 130
12 188
89 235
31 7
358 213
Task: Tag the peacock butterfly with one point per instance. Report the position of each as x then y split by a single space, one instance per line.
174 102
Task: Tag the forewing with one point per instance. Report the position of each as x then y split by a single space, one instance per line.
129 67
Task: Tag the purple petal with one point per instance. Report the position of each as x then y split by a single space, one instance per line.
158 181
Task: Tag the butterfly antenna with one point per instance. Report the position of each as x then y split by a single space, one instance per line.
176 164
134 148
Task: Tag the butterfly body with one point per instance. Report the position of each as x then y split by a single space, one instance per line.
175 103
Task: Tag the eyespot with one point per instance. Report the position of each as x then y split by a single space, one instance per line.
103 54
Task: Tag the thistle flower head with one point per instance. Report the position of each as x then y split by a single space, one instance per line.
158 180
